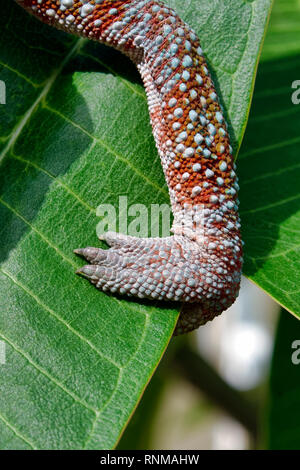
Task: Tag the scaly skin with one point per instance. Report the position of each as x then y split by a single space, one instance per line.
201 263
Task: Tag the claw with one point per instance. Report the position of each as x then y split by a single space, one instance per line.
88 271
93 255
79 251
97 275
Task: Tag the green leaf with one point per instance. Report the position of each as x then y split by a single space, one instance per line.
269 166
277 264
75 133
283 411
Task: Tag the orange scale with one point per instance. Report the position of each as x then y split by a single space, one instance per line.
212 107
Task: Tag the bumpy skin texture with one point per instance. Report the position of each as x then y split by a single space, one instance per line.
201 263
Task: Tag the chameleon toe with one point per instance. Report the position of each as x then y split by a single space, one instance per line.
92 254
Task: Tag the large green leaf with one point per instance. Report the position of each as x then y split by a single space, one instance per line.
75 133
269 167
283 410
278 265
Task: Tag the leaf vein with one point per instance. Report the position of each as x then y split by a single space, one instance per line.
108 148
42 371
61 320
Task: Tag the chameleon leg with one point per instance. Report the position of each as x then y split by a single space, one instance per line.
190 132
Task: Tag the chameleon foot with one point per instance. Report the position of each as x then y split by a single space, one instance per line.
174 268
